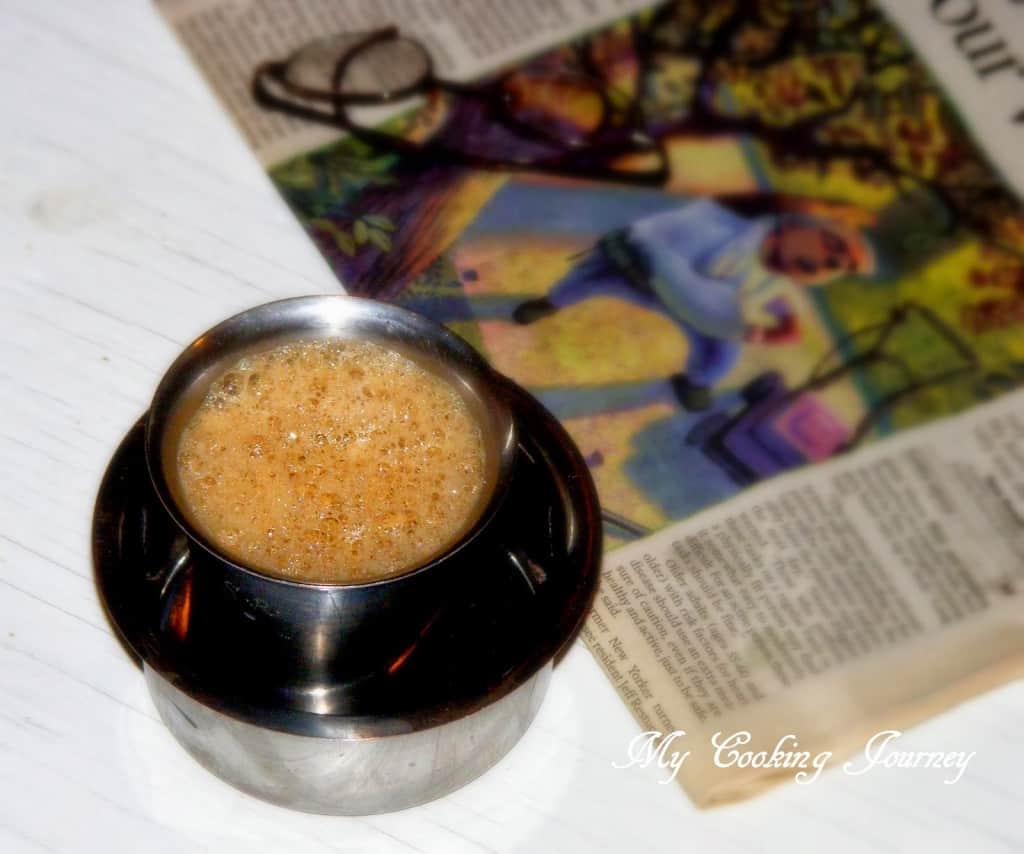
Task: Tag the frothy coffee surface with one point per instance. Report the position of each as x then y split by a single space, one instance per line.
331 462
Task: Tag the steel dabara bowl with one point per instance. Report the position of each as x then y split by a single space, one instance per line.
351 698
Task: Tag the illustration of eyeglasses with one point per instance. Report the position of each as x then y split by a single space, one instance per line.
565 119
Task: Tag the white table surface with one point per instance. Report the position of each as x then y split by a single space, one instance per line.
132 217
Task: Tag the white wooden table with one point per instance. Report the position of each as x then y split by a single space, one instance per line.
132 217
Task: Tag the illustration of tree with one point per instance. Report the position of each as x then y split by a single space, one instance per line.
1000 279
821 83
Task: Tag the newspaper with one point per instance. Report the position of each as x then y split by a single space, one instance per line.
228 39
775 293
827 605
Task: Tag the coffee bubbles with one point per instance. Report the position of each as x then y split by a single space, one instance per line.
332 462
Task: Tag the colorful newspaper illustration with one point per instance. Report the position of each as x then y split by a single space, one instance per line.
731 246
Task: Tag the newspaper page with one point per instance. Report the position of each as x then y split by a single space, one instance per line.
465 38
823 607
765 262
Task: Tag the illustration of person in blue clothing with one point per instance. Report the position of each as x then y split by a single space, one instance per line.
720 277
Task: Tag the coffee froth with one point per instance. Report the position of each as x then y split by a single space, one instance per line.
332 462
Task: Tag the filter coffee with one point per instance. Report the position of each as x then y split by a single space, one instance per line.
332 462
